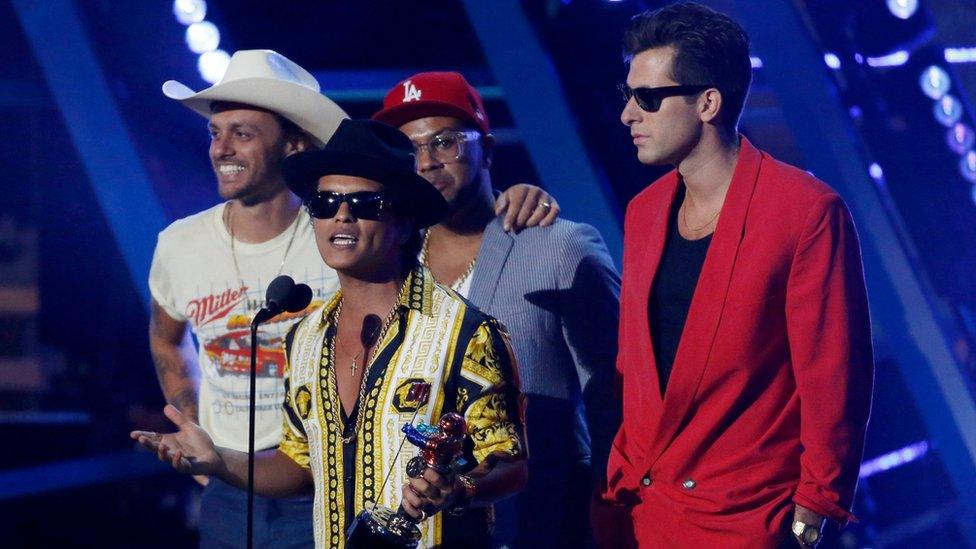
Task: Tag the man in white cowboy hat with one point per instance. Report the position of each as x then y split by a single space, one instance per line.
210 271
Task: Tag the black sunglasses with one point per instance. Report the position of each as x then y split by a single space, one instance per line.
649 99
362 205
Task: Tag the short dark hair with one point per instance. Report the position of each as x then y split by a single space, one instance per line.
288 127
710 48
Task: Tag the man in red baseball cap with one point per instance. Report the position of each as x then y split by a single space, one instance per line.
434 94
448 94
554 287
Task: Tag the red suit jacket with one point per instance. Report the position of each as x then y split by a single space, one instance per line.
771 388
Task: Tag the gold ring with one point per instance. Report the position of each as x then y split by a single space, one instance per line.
423 514
545 205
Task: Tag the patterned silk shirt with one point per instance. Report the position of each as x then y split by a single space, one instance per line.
438 338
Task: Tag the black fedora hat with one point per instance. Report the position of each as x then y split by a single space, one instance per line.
372 150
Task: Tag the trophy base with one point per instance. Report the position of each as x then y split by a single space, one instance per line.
382 528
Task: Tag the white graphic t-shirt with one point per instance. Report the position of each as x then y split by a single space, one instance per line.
194 280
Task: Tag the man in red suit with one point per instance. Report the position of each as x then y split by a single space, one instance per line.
745 343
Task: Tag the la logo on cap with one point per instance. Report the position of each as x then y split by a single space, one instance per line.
410 92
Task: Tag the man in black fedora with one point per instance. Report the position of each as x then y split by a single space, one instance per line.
351 363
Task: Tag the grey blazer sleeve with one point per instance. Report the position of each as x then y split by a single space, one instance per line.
590 316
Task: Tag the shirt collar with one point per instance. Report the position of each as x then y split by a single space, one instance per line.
418 294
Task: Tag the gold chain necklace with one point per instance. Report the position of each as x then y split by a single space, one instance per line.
336 403
382 329
352 367
684 220
233 254
425 261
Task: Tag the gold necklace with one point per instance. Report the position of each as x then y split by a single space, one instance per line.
425 261
684 220
233 254
336 403
353 366
382 329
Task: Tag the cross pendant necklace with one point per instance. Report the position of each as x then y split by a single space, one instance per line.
354 364
370 341
338 311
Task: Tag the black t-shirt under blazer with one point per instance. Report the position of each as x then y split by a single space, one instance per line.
674 286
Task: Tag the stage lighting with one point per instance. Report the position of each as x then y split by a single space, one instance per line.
213 64
832 60
892 460
903 9
877 34
895 59
960 138
935 82
967 166
875 171
947 110
188 12
960 55
202 37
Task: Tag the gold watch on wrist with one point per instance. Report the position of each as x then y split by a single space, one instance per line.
807 534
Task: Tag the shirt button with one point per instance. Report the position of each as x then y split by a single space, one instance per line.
689 484
646 481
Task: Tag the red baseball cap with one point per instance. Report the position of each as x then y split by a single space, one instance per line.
433 94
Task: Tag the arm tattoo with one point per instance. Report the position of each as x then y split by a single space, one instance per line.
186 402
166 366
174 368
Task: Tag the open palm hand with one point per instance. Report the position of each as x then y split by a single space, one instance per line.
190 449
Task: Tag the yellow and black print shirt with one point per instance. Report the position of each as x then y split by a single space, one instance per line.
439 338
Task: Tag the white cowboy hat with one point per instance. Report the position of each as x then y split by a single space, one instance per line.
269 80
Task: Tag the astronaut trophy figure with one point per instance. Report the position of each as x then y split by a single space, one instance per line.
441 448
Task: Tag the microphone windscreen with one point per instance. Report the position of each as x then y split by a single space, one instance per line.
279 289
370 331
298 299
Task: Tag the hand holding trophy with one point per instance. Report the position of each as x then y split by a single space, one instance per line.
441 448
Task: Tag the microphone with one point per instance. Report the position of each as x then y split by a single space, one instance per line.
283 295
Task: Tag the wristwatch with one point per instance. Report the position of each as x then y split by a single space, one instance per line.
469 490
807 534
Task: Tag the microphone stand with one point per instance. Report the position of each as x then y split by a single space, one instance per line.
281 297
250 436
